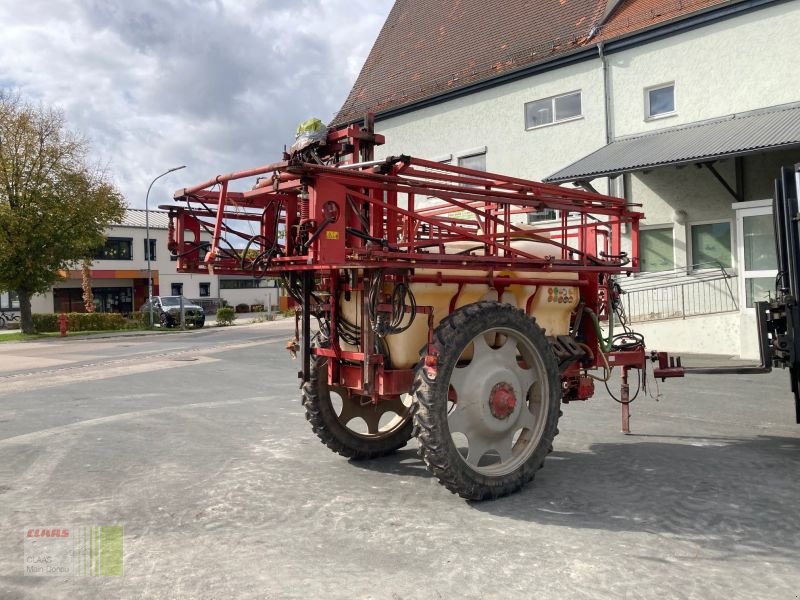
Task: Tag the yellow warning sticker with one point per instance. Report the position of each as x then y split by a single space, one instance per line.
332 235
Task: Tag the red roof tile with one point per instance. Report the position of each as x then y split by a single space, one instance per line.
427 47
431 46
633 15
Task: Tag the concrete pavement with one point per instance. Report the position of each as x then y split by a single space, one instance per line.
198 446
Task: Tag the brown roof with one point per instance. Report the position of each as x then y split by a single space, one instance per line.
428 47
633 15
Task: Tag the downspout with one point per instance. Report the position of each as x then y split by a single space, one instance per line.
606 98
616 186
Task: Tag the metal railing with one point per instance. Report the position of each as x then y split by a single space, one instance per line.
701 289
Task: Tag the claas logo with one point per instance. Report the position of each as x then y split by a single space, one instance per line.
50 533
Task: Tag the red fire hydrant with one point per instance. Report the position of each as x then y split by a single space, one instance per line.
62 324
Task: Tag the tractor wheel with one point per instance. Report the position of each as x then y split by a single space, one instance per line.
350 424
488 407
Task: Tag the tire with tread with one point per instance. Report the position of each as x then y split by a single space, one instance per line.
436 446
337 436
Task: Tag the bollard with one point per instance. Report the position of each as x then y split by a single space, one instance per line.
62 324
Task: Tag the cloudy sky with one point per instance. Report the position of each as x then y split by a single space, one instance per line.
217 85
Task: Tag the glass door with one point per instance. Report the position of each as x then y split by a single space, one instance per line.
756 249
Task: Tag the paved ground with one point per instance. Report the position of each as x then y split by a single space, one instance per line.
197 445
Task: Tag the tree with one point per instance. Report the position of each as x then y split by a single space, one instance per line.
54 206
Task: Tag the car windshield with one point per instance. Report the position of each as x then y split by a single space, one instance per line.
172 301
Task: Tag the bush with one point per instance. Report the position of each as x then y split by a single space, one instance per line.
225 316
45 322
140 320
48 323
242 308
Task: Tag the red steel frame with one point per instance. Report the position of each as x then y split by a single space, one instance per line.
341 222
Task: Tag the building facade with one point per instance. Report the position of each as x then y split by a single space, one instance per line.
119 275
685 108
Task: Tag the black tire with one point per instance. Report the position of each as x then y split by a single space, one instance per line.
432 389
200 323
166 322
335 434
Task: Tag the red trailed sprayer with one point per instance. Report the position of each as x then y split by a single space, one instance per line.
425 308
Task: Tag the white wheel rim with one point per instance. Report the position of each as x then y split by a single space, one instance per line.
500 402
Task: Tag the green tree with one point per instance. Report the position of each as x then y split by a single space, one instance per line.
54 206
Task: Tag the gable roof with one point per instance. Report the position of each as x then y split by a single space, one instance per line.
627 16
430 47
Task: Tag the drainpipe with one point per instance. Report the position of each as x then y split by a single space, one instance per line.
606 98
616 186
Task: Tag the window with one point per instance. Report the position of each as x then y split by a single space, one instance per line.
116 249
244 284
149 249
177 289
552 110
9 300
656 250
546 214
659 101
711 245
473 161
205 289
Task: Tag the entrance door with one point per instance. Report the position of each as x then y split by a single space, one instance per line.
756 249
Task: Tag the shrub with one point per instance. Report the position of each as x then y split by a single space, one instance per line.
225 316
139 320
242 308
47 323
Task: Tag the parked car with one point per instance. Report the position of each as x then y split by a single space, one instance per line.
167 311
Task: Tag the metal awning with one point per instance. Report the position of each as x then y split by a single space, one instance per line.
734 135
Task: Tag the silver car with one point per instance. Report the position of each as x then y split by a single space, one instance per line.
167 310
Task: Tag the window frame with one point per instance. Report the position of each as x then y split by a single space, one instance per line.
224 283
151 251
472 152
100 252
204 285
664 115
754 209
690 259
553 110
9 300
172 288
651 227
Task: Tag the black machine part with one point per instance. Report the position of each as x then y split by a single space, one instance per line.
782 315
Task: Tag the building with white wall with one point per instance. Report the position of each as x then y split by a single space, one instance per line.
688 108
119 275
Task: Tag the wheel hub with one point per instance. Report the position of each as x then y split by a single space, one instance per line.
502 400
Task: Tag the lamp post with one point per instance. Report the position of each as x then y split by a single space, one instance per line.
147 237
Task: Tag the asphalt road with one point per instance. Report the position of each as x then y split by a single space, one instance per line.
197 445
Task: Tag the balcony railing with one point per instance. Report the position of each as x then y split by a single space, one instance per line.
701 289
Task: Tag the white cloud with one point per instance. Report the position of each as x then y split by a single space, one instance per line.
218 85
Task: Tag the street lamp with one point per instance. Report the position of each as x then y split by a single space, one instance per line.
147 237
